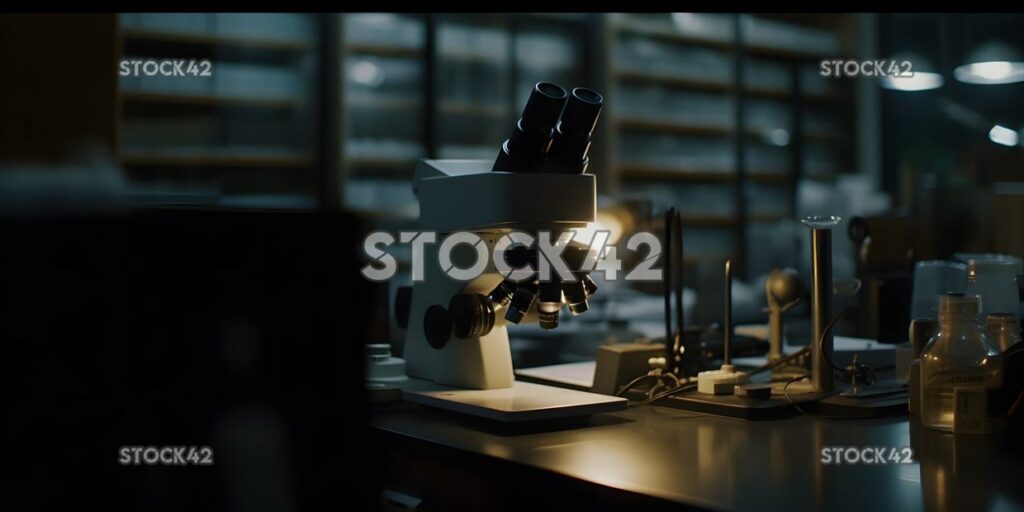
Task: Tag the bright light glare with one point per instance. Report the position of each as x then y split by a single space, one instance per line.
777 137
921 81
367 73
686 21
1003 135
994 72
603 222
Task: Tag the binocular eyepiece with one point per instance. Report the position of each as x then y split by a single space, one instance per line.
554 132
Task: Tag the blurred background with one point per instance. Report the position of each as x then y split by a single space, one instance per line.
181 253
726 117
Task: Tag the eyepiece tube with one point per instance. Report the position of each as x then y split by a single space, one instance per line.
525 149
571 140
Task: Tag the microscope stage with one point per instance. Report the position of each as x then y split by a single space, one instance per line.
524 401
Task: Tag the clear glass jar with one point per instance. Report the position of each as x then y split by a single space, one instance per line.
960 355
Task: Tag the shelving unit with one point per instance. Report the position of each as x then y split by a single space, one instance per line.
719 104
383 58
247 130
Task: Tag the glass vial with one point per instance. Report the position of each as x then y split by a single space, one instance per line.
959 357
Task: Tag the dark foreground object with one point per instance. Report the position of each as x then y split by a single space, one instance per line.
241 331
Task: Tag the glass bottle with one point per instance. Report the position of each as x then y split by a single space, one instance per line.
1002 330
960 355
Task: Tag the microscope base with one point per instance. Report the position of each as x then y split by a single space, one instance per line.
524 401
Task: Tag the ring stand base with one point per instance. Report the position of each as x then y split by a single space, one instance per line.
880 400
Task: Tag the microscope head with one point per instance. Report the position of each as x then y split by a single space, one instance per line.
541 174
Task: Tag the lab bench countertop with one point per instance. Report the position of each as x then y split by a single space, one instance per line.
693 460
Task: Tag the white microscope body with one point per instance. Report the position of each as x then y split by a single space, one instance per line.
465 195
456 350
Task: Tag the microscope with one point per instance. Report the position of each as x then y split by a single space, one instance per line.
457 350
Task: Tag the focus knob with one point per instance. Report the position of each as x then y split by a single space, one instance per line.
472 315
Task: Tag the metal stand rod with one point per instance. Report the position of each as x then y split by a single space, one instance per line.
821 305
727 338
670 349
774 336
677 342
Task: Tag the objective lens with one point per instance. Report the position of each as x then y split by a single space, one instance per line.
522 302
502 294
588 284
575 297
525 148
549 302
570 142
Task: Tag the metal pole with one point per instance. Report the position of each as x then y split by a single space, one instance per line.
667 281
677 342
821 300
727 338
775 336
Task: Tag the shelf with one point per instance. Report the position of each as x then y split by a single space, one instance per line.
562 17
383 215
207 100
768 217
372 101
671 35
383 162
674 127
829 137
784 53
708 221
168 159
386 168
678 128
769 94
465 108
212 40
769 178
696 84
703 130
381 50
825 97
708 258
655 172
673 81
667 173
471 58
